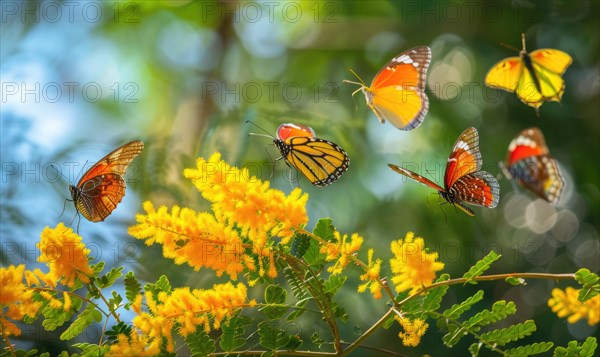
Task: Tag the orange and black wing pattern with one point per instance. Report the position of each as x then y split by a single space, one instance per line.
320 161
530 164
102 187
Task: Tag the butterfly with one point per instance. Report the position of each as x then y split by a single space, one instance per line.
102 187
320 161
397 93
463 180
529 163
535 77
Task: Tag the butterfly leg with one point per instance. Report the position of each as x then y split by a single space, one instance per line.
64 207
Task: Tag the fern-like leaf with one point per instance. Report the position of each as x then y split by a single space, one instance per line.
272 338
528 350
509 334
589 282
499 311
233 333
275 295
481 266
454 312
199 343
132 287
87 317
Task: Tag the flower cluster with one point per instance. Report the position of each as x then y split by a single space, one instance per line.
340 251
246 215
412 266
16 299
566 303
413 331
371 276
65 255
24 292
183 308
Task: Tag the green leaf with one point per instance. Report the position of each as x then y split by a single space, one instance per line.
132 286
233 333
334 284
274 295
161 285
294 343
455 333
481 266
97 269
299 310
199 343
500 310
300 244
54 318
87 317
474 349
589 282
324 229
313 256
272 338
109 278
339 312
296 282
454 312
116 330
588 347
515 281
433 299
90 349
509 334
528 350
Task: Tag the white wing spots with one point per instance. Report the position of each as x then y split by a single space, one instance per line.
403 59
462 145
522 141
416 64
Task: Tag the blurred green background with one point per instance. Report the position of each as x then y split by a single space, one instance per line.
81 78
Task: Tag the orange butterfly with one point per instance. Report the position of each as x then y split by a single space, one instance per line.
464 181
535 77
102 187
397 93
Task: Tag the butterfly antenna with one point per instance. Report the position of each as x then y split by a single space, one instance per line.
268 135
359 83
510 47
442 203
523 41
60 172
274 161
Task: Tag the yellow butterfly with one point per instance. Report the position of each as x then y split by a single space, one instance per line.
535 77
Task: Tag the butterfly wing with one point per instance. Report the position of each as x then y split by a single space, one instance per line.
102 187
397 93
530 142
530 164
285 131
99 196
549 65
464 159
505 74
478 188
415 176
320 161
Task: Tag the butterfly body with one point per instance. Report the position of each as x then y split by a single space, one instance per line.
535 77
464 182
102 187
320 161
397 92
530 164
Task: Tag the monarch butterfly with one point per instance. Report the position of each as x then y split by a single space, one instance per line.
529 163
535 77
463 180
102 187
397 93
320 161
